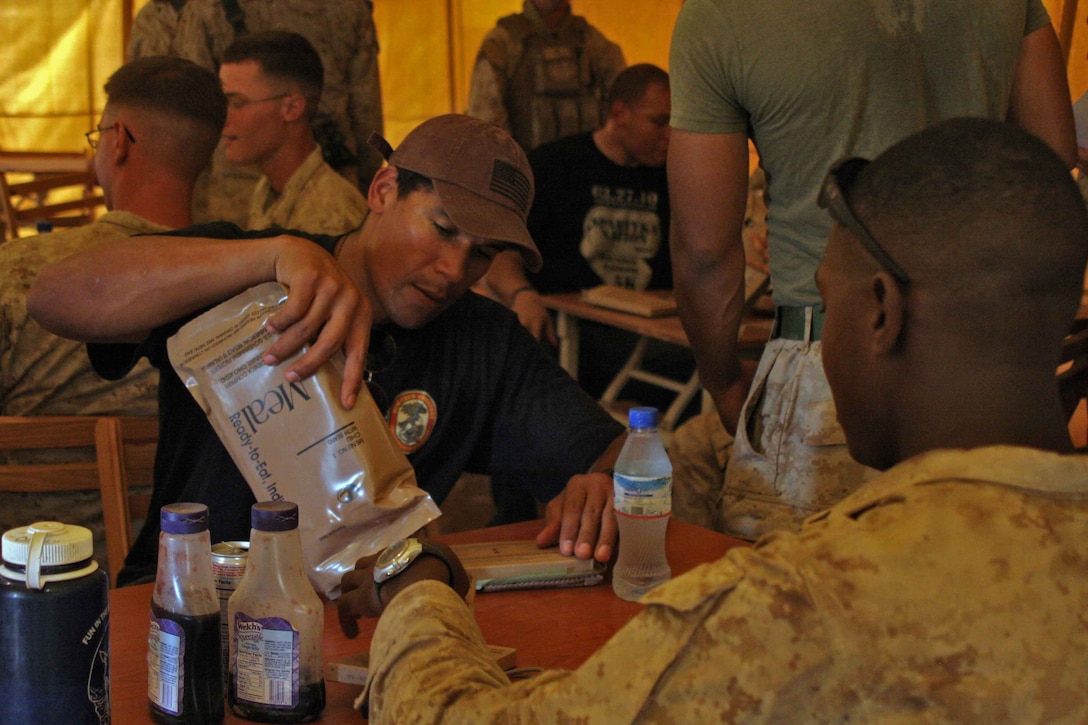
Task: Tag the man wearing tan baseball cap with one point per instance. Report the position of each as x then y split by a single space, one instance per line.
463 385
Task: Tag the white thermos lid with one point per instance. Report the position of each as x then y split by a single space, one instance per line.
47 544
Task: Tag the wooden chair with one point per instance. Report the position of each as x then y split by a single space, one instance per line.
26 201
115 442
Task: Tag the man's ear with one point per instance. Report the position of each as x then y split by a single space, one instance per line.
294 107
121 144
383 189
618 111
889 318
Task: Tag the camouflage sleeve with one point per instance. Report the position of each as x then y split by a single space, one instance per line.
489 78
152 31
716 640
203 33
365 97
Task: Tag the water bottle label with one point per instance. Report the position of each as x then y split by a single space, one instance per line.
642 497
266 661
165 673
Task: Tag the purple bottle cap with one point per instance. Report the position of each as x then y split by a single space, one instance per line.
274 516
183 518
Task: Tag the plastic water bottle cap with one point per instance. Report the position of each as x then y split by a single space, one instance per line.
642 417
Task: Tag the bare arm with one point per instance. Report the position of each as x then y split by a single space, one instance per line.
1040 94
120 292
507 283
708 188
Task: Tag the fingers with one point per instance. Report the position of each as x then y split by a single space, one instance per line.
549 535
324 311
606 539
358 599
581 518
355 347
335 319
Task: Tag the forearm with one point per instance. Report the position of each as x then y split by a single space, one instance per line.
710 297
121 291
1039 101
427 652
506 278
708 185
607 462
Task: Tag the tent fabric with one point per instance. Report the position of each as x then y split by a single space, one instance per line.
58 53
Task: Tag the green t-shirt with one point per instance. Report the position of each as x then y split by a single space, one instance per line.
811 81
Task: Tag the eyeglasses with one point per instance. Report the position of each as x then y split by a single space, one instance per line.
833 198
237 103
380 354
94 136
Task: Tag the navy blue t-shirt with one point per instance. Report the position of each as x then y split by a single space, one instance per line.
471 391
597 222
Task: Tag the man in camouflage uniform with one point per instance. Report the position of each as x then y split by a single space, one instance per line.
154 28
735 77
273 82
951 588
344 36
162 119
543 74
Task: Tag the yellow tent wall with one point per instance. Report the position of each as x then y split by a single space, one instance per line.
57 54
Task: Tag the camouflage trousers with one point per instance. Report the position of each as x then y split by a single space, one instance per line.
788 460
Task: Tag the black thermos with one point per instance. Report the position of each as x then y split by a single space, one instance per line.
54 627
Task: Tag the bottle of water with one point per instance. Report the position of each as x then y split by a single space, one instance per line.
642 496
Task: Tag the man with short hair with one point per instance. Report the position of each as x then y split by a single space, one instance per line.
273 84
601 211
343 34
600 216
543 73
455 194
162 119
809 83
951 588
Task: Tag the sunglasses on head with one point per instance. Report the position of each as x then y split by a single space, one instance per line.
833 198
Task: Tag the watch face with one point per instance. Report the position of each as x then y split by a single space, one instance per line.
396 559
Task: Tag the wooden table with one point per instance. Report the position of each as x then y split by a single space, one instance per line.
570 308
586 617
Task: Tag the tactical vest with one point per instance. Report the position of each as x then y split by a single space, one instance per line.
550 90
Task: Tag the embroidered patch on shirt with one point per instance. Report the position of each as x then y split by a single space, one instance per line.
411 418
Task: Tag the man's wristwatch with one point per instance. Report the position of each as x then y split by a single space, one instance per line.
400 555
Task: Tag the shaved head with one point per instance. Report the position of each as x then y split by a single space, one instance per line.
986 216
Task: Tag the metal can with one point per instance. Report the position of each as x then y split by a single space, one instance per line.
228 567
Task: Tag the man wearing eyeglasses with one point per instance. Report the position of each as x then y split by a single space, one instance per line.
273 83
472 388
162 119
953 588
810 83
